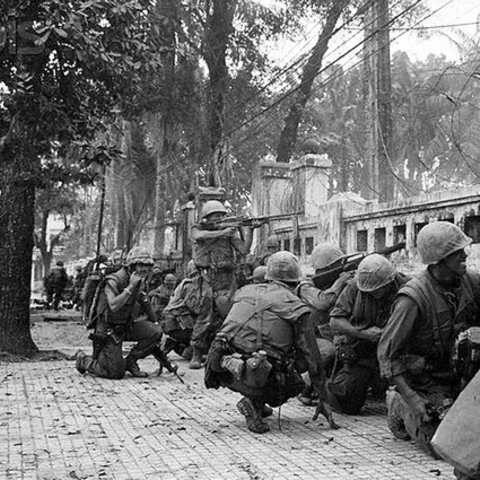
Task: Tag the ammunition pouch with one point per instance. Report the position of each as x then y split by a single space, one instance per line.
289 380
257 370
466 355
347 354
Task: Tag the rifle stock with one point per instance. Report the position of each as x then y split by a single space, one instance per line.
164 361
349 263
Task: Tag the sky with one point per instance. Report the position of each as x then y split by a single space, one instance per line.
465 14
345 47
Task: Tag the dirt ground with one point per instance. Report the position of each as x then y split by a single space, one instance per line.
58 329
53 331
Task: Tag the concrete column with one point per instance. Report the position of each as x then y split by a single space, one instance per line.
271 195
310 183
270 192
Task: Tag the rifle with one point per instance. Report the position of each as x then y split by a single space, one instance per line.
159 354
164 361
242 221
348 263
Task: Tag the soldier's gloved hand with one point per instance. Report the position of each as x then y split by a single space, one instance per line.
325 409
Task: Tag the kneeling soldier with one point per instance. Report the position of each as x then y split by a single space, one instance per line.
120 307
266 341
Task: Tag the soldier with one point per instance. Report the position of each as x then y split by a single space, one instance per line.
416 345
258 275
182 311
360 313
325 257
123 314
271 247
160 296
215 247
55 283
266 341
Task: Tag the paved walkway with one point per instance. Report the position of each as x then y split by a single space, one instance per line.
56 424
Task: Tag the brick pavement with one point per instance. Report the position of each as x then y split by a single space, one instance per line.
57 425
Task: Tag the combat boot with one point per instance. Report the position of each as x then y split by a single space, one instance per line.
196 362
132 367
252 415
81 362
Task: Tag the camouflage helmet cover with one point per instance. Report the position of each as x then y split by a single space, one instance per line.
283 266
374 272
438 240
324 255
139 255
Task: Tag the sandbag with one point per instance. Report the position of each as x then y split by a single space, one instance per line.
457 438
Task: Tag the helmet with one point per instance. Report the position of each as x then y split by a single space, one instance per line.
283 266
324 255
213 206
139 255
438 240
59 263
258 275
374 272
170 278
272 241
191 269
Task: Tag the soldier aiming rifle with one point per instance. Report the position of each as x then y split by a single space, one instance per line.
324 277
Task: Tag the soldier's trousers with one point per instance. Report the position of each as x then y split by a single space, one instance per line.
110 362
349 387
217 295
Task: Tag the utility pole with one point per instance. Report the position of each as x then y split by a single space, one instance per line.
379 101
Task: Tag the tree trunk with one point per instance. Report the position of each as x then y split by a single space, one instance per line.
17 202
379 104
289 134
216 42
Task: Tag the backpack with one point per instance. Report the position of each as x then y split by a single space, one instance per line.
91 294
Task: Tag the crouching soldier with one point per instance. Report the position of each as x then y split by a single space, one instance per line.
182 311
265 343
415 349
359 316
123 314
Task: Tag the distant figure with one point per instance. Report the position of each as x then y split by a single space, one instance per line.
258 275
55 283
271 247
160 296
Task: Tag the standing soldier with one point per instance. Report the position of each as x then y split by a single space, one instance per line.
123 314
266 341
360 314
415 349
215 247
55 283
